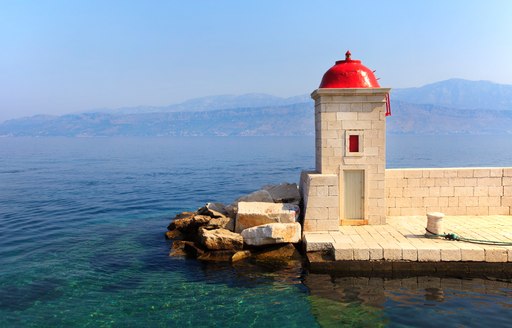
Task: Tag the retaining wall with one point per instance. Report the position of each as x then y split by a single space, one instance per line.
453 191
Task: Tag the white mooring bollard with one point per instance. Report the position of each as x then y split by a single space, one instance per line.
435 223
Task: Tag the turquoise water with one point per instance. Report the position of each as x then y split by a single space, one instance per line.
81 239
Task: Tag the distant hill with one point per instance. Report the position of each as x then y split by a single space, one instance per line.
447 107
211 103
459 94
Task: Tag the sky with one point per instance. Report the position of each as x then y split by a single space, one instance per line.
60 57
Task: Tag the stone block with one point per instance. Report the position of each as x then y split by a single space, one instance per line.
506 201
499 210
272 233
427 253
318 242
450 253
465 173
327 225
481 191
361 252
462 191
496 172
252 214
481 173
507 191
343 252
409 252
323 201
391 251
447 191
495 191
219 239
507 172
496 254
507 181
317 213
323 179
471 253
489 182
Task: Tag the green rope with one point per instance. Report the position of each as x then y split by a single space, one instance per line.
453 236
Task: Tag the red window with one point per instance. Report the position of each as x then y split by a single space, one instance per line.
353 143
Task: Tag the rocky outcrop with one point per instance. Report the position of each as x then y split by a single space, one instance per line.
272 233
251 214
220 239
284 193
215 232
280 252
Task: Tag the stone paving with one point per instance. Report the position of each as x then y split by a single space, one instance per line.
403 239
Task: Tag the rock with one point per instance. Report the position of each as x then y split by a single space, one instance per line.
183 215
209 212
257 196
240 255
272 233
251 214
220 239
174 234
284 193
189 223
217 207
232 209
284 252
192 249
185 248
221 223
218 256
178 248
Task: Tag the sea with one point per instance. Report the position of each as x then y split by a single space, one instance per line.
82 224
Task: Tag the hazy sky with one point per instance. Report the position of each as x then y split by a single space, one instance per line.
66 56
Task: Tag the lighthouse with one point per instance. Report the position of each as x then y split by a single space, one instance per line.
348 184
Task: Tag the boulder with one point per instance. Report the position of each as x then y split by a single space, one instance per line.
185 248
282 252
272 233
240 255
220 239
257 196
251 214
189 223
284 193
221 223
178 219
174 234
217 207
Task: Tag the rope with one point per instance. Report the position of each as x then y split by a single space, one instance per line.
455 237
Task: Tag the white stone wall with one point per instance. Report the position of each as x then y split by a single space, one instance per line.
454 191
321 201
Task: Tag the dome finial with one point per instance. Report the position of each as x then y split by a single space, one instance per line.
347 55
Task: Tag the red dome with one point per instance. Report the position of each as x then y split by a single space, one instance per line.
349 73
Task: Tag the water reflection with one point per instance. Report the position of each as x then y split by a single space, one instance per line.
375 301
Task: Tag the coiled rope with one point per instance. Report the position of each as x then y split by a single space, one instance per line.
454 236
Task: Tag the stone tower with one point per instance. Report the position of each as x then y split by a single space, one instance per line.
347 187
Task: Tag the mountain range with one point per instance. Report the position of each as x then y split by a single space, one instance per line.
448 107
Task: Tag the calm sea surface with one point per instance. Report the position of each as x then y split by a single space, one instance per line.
81 239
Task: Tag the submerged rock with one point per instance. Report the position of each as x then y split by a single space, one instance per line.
240 255
218 256
251 214
284 252
284 193
272 233
185 248
220 239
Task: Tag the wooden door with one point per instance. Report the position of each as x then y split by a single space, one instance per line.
354 195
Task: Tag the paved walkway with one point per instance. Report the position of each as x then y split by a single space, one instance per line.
403 239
